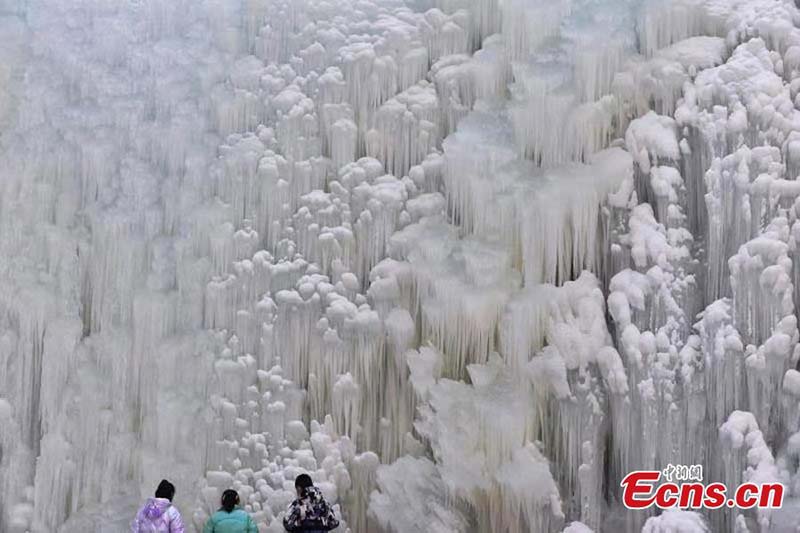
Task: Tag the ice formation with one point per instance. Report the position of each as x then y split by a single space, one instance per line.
465 262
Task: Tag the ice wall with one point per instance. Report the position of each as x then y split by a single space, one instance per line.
466 262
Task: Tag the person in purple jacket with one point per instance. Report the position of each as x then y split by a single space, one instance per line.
159 515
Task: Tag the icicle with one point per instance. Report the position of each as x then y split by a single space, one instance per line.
749 460
526 26
406 129
491 70
661 25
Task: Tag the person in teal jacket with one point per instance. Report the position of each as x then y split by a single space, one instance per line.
230 518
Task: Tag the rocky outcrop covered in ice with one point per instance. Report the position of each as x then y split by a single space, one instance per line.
467 263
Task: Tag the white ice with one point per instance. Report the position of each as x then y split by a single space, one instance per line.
465 262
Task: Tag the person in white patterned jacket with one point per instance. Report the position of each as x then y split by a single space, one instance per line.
309 513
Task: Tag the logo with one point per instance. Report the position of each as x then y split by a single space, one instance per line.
682 487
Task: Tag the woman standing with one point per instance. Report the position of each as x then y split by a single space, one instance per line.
159 515
230 518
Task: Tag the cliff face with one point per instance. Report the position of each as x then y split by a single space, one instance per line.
467 262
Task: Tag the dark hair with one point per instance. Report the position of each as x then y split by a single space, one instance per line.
230 499
303 481
165 490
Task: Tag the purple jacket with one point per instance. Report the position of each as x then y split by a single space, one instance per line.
158 516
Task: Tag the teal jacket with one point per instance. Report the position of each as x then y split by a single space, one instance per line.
237 521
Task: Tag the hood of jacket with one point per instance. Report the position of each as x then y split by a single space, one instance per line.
156 507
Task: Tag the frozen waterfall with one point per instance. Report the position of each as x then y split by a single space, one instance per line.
465 262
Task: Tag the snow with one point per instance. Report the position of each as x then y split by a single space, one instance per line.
674 521
577 527
751 460
466 263
410 497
